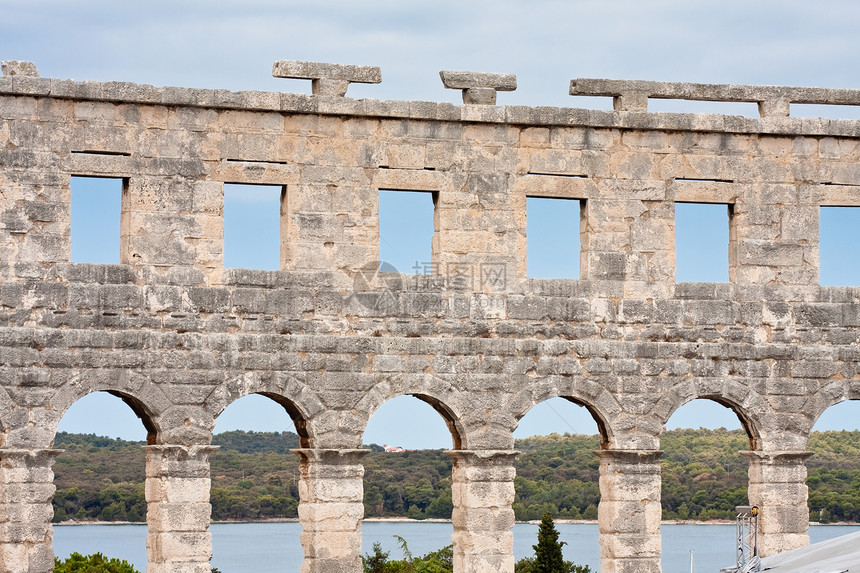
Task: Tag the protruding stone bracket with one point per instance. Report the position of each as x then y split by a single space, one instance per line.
479 87
772 101
327 79
19 68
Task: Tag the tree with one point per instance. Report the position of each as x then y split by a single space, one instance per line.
548 557
375 562
95 563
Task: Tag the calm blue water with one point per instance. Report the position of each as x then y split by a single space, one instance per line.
274 547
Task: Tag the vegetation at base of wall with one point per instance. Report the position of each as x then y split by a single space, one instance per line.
548 553
95 563
254 477
548 557
377 561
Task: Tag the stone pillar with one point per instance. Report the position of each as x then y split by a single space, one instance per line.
331 507
482 490
178 509
777 485
629 513
26 490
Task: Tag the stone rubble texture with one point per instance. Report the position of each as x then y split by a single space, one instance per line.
179 337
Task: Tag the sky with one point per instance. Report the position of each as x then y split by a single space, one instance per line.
546 43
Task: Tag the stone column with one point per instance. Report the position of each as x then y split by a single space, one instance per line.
777 485
331 507
629 513
178 509
482 490
26 490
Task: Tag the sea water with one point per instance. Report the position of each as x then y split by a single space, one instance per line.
275 547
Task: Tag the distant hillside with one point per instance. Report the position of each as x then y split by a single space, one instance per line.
254 476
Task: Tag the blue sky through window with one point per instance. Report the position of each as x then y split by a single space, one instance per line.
252 227
701 242
406 229
839 246
552 238
95 224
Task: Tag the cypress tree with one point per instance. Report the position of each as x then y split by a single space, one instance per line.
548 558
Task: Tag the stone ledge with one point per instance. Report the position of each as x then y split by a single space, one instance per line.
773 101
257 101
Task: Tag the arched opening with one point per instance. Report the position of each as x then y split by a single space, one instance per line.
408 475
833 472
558 473
100 478
255 485
704 477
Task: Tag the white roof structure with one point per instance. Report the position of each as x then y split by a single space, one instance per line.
837 555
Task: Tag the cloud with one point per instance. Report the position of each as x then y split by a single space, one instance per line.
217 43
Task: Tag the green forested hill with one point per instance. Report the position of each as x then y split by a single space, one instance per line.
254 476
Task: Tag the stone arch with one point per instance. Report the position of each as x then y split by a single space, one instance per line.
602 406
829 394
438 393
145 398
300 402
747 404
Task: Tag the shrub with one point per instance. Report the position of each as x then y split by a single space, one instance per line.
95 563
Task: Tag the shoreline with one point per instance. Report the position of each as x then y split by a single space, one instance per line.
76 522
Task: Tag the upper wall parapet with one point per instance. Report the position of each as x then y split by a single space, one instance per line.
331 81
773 101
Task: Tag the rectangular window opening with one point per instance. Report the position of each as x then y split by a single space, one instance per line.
660 105
702 242
252 226
406 228
590 102
96 212
825 111
838 236
552 237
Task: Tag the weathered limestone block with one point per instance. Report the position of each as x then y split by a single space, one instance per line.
331 507
629 512
482 491
479 87
178 509
19 68
777 485
327 79
26 490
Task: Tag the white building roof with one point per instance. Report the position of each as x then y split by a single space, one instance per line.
837 555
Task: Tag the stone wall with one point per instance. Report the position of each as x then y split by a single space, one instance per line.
179 337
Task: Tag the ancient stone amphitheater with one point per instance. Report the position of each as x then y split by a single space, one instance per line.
179 337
